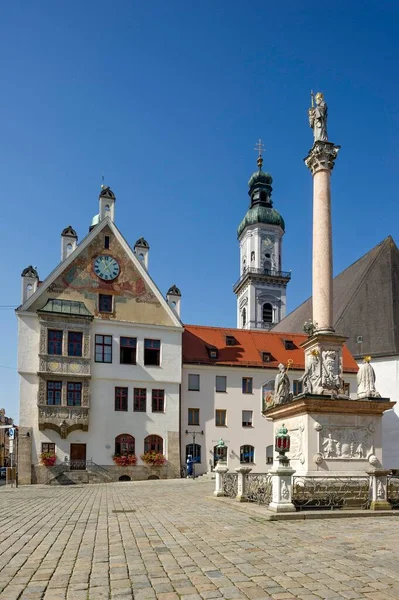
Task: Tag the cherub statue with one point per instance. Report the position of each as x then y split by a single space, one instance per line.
318 117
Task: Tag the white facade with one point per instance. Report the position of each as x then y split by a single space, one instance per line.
234 402
261 301
105 424
387 384
99 305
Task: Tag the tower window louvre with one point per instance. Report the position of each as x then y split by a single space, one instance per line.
267 313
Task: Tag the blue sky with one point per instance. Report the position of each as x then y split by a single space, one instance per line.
167 100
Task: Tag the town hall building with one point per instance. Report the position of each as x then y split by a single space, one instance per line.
99 360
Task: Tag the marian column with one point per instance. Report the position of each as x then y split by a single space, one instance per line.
320 161
324 348
331 434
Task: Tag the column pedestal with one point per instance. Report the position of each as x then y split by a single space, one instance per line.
242 483
282 489
220 469
379 489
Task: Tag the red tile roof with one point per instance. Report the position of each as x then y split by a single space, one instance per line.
248 348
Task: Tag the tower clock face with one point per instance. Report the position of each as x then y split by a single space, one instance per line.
106 267
268 242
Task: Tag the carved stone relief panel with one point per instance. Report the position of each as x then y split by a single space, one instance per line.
41 399
346 442
284 492
296 430
86 393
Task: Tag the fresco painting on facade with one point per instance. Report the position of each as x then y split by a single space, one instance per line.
267 395
81 276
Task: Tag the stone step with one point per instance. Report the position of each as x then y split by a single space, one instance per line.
70 478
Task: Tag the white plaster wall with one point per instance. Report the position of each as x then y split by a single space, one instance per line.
28 343
234 401
387 384
28 365
104 422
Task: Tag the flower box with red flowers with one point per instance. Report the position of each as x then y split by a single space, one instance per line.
153 458
124 460
48 459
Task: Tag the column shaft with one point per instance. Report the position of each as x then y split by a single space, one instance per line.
322 252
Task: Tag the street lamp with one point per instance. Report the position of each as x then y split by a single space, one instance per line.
194 434
282 444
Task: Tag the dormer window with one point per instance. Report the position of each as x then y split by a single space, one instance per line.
266 357
230 340
289 345
213 353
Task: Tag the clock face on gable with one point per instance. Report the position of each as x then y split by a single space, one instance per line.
106 267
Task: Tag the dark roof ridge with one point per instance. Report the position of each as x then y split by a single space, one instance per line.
356 286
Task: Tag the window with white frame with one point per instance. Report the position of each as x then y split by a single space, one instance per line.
269 455
221 383
247 418
193 382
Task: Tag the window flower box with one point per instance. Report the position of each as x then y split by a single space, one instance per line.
48 459
152 458
124 460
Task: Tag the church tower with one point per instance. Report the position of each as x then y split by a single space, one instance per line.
261 288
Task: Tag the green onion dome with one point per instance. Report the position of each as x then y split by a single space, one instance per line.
261 208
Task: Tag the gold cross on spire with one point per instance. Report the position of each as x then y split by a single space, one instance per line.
259 147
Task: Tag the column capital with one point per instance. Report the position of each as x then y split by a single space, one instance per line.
321 156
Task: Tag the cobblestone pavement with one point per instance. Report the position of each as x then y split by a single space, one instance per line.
170 540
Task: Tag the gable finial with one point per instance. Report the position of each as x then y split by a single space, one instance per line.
259 148
102 179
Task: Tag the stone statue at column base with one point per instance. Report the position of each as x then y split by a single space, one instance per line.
282 392
366 380
311 379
